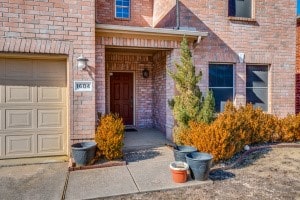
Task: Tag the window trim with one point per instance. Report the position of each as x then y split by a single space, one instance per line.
233 79
129 11
268 66
248 19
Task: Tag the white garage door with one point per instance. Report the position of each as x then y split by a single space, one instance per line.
32 108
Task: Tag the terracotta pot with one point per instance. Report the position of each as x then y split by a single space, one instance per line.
179 171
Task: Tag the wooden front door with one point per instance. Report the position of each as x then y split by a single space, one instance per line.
121 96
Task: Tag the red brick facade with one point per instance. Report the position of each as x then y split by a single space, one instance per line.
298 68
55 28
159 92
263 39
141 13
70 28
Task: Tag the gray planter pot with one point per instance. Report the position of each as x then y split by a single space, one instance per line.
200 164
181 151
83 152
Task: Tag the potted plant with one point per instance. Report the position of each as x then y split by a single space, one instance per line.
200 164
179 171
181 151
83 152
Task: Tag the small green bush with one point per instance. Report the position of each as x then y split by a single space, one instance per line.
109 136
189 103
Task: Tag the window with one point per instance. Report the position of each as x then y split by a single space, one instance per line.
221 83
240 8
257 86
122 9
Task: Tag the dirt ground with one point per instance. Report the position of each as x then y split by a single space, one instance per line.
266 174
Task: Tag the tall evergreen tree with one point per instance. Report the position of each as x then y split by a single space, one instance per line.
189 104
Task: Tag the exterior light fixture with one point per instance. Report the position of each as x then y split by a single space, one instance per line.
145 73
241 57
82 62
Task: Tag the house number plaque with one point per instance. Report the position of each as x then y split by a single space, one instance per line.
83 86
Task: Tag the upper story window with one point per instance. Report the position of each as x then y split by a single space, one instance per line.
257 86
122 9
240 8
221 82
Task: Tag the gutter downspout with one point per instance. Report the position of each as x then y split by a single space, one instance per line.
177 16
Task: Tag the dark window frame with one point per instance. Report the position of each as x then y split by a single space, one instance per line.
232 10
219 108
263 85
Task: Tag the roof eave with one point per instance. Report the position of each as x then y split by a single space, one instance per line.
148 31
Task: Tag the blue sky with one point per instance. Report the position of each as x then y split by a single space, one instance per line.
298 7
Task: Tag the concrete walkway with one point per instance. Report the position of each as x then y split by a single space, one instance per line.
147 170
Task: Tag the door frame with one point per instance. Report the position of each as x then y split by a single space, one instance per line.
133 89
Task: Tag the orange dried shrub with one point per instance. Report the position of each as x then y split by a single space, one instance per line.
231 131
260 126
109 136
207 138
290 128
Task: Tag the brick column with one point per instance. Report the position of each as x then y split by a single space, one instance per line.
172 57
240 84
297 109
100 76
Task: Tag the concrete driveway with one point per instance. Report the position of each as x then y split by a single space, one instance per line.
41 181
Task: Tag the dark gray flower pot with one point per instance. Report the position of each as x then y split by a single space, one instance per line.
83 152
200 164
181 151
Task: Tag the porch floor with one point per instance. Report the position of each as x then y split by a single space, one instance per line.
144 139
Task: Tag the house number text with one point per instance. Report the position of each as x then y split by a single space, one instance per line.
83 86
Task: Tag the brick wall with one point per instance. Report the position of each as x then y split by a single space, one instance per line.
135 63
103 44
269 39
298 68
56 27
141 12
164 13
159 92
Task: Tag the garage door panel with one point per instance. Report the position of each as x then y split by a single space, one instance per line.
2 122
16 68
50 118
50 143
2 145
19 92
16 119
2 68
17 145
50 94
51 70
